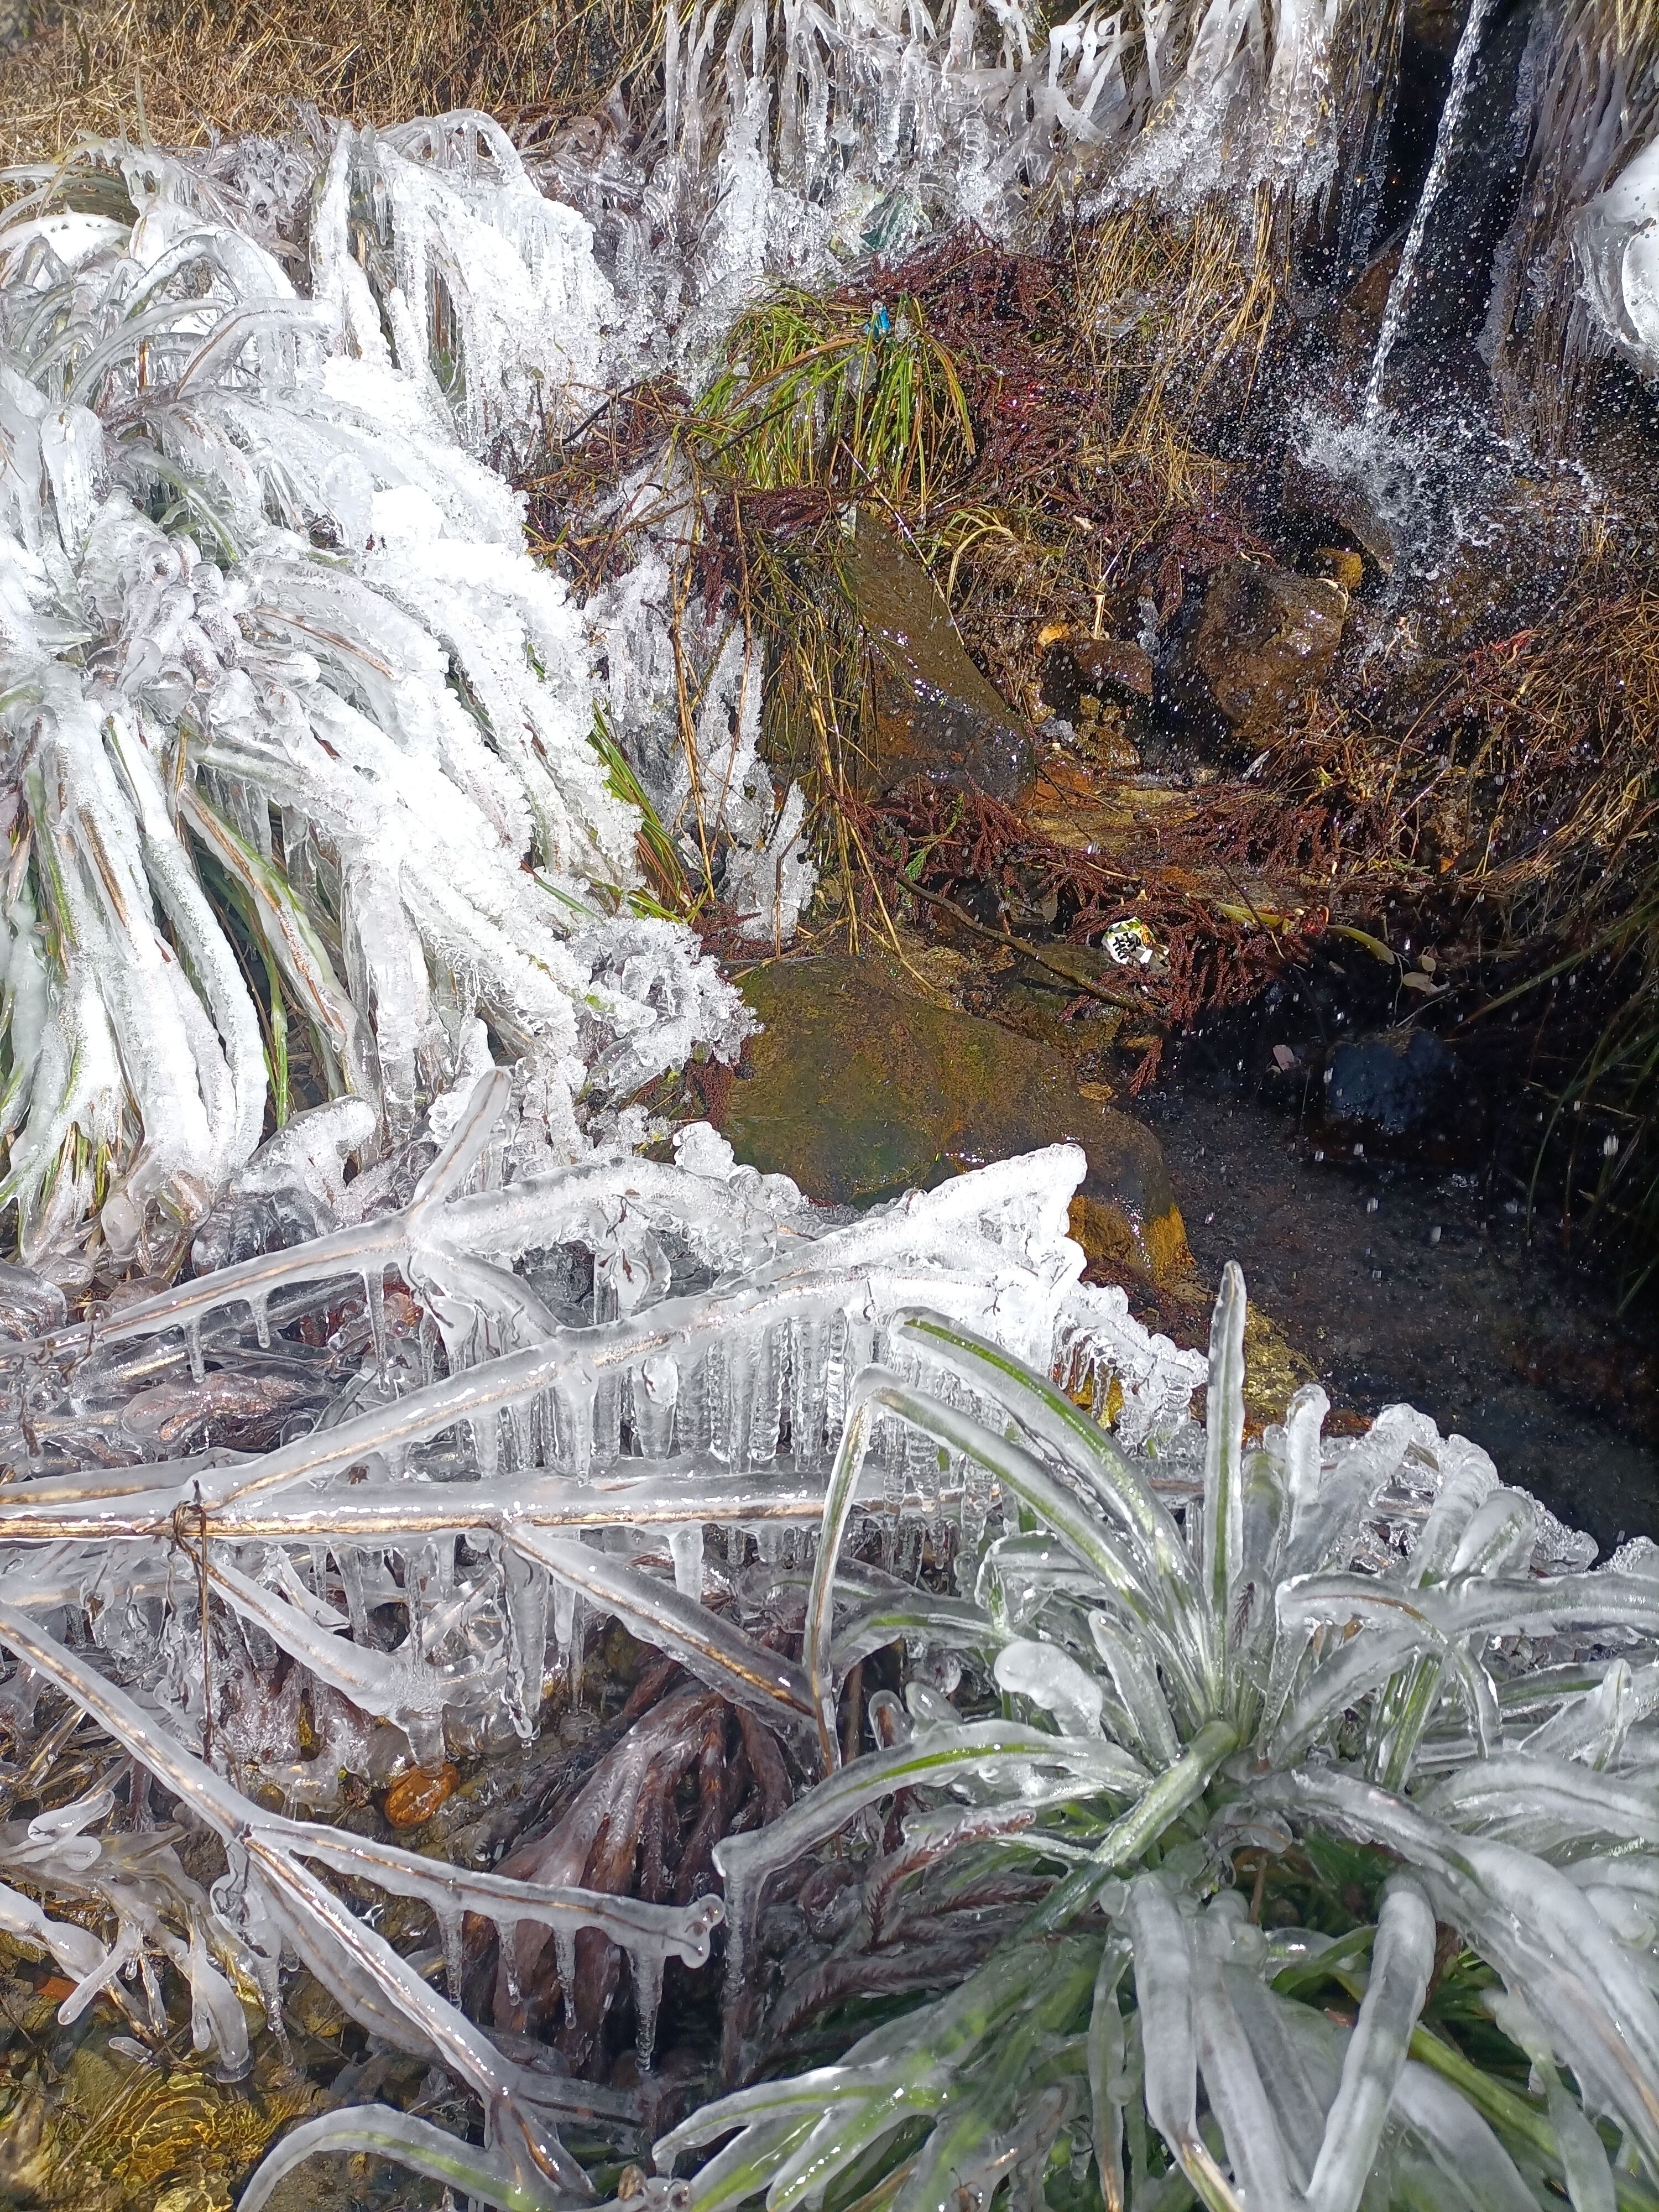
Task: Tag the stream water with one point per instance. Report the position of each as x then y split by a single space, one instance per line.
1437 1289
1451 117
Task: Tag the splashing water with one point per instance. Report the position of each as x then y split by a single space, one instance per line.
1451 117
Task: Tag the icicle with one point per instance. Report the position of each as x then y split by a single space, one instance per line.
564 1958
526 1591
486 1437
374 1300
258 1307
647 1967
606 1445
450 1919
837 1376
574 1397
771 1382
508 1934
741 1355
808 1360
717 1401
735 1881
567 1633
656 1388
193 1352
685 1544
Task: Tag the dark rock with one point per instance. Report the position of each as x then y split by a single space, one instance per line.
1110 668
859 1092
1265 638
1436 24
1360 321
1397 1092
1323 506
936 715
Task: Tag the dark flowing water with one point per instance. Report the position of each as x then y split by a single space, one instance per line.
1434 1288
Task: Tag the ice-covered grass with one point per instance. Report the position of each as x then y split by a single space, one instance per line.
1362 1683
298 739
1252 1819
700 1377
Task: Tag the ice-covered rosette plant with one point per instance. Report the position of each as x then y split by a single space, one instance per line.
1287 1840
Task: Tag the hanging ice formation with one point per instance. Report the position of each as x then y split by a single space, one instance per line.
706 782
587 1372
792 140
609 1359
271 646
1620 242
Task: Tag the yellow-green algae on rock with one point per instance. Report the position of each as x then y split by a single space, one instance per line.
858 1091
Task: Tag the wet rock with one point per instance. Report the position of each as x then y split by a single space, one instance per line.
1266 637
1396 1093
858 1091
1102 689
1508 567
1342 565
936 715
1319 506
1075 663
1436 24
1359 317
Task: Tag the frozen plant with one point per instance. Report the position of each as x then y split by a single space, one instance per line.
1287 1840
573 1375
1259 1816
280 688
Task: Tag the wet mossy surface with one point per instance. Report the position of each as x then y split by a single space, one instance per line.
858 1091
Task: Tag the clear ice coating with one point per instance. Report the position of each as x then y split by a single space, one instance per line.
617 1360
595 1383
1204 1648
262 599
260 595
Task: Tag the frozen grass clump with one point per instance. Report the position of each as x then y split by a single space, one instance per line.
530 1398
299 775
1136 1815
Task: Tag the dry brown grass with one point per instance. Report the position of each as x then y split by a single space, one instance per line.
238 66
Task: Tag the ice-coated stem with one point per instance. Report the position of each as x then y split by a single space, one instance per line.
1402 1959
387 2133
715 1652
1127 1840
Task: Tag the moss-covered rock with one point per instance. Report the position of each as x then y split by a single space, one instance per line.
859 1090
